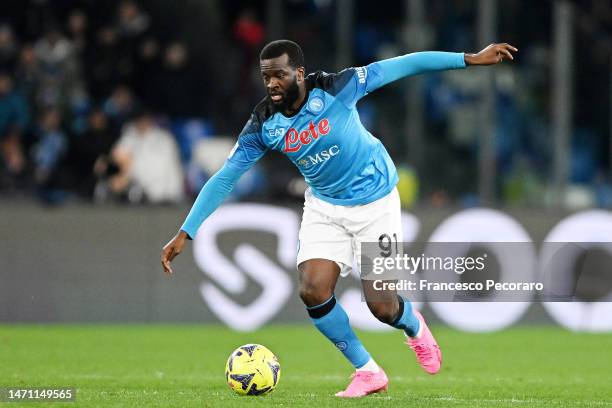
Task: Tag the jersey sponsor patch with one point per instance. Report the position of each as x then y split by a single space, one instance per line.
294 139
318 158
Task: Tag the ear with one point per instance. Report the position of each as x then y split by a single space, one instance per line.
301 72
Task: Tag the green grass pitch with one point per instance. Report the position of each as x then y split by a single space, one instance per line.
183 366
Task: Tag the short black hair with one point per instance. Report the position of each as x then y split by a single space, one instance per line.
279 47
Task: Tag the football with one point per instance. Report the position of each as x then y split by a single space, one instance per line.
252 369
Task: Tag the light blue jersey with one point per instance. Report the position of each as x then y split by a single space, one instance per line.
340 160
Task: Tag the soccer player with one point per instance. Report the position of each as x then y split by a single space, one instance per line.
351 198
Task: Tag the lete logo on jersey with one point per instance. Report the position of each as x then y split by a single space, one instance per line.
294 140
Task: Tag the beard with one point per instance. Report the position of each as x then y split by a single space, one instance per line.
289 97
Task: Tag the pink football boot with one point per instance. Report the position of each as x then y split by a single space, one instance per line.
428 353
364 383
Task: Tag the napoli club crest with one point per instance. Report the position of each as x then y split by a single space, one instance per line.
316 104
341 345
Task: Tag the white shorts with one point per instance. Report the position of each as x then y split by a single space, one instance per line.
335 232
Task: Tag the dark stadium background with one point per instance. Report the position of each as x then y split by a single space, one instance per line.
515 135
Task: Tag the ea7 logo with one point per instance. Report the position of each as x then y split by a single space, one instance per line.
276 132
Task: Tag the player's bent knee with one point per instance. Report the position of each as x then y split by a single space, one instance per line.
386 312
317 281
314 295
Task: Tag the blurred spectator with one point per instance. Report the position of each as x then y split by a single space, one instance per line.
8 48
133 22
103 62
48 152
248 30
132 28
149 61
149 50
77 30
28 75
178 93
14 121
250 34
149 164
90 153
61 69
120 105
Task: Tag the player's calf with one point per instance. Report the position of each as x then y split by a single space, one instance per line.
317 281
386 312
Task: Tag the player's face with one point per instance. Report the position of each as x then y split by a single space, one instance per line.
282 81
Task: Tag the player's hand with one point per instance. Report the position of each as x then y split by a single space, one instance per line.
493 54
171 250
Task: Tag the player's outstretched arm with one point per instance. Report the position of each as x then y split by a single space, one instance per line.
493 54
211 196
248 150
383 72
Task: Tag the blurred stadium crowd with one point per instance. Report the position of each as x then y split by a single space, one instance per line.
121 100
